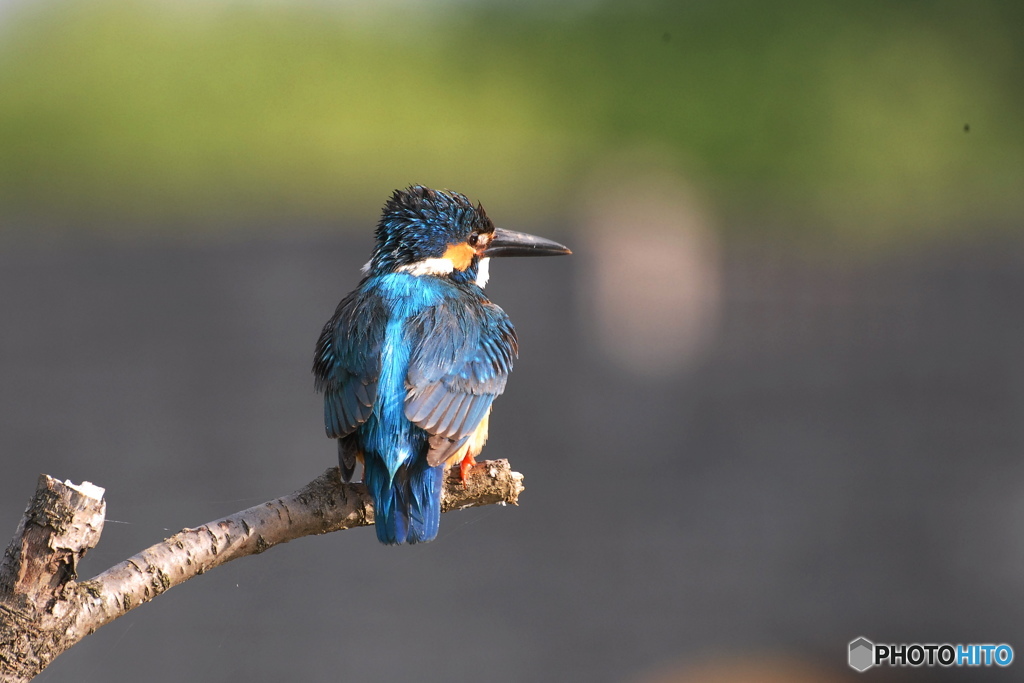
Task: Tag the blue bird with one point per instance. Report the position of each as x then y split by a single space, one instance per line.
413 358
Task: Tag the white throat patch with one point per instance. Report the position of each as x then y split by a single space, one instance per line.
441 266
483 273
428 266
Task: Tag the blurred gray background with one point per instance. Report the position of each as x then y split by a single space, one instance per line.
773 402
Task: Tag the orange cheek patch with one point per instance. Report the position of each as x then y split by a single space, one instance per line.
461 255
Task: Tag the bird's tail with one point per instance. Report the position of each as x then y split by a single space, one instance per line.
407 508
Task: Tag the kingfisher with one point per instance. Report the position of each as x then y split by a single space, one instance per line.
413 358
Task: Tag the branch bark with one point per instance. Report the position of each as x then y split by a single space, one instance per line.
44 611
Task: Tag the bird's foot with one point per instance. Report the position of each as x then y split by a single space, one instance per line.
464 467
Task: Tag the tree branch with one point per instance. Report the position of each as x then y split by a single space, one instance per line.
44 611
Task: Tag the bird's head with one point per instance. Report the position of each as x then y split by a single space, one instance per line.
441 233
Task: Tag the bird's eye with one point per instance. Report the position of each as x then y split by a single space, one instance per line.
474 238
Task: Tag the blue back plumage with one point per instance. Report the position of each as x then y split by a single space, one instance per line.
411 361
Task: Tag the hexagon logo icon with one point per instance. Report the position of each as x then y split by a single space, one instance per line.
862 654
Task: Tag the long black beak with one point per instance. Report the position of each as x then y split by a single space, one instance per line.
512 243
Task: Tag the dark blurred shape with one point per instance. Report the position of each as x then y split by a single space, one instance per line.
843 461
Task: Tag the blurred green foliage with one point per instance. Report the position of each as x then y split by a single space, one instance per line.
842 117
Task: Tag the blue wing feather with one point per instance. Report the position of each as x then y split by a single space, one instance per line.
458 418
462 354
346 367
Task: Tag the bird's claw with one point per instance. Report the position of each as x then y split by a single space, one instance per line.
464 467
